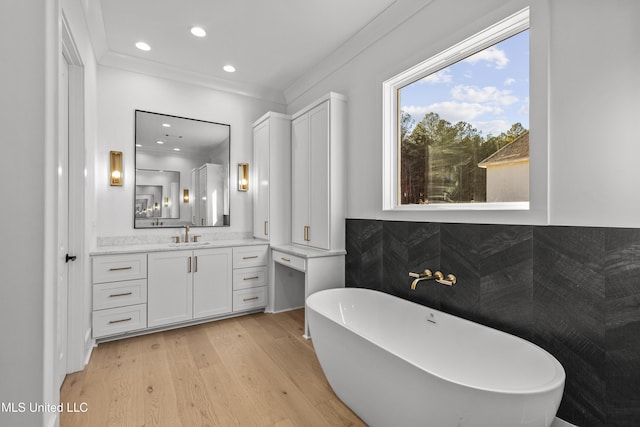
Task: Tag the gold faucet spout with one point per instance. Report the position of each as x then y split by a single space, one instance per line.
419 277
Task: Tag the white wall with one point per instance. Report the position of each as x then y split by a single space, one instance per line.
595 84
594 75
24 132
120 93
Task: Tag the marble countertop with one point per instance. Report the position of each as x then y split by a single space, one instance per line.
159 247
305 252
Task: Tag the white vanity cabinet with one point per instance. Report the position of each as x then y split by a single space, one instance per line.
119 295
250 277
318 135
185 285
272 178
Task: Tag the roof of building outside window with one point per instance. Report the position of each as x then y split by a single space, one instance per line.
515 151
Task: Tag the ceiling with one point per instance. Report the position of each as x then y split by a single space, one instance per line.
271 43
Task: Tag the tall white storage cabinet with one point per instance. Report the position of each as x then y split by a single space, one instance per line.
318 135
272 178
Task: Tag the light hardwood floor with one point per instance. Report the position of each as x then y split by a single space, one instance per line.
253 370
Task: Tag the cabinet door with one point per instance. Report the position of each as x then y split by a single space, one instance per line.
300 179
318 232
212 282
169 287
261 180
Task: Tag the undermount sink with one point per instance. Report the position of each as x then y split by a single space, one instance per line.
189 244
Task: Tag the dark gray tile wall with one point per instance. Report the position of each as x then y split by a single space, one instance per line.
574 291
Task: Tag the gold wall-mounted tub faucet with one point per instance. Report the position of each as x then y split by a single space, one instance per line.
437 276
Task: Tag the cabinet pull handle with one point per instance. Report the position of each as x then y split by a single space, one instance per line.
285 259
266 228
124 294
196 266
249 299
118 321
250 257
120 268
189 265
306 233
251 278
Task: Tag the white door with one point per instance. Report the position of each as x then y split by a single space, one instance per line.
63 256
300 181
318 231
211 282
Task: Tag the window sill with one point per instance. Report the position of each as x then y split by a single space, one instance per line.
444 207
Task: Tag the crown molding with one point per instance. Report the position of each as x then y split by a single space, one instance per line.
156 69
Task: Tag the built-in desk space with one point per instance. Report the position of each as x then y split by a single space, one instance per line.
298 272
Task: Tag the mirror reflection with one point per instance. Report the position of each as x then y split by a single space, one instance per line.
182 172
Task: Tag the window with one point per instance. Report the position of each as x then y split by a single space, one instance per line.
457 125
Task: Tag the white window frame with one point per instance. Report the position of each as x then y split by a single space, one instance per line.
536 209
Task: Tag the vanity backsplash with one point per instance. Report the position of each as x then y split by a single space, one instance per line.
167 234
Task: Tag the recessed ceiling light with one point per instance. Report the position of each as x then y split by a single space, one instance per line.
198 31
229 68
176 149
143 46
159 142
167 125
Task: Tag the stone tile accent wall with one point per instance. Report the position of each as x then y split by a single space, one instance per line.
574 291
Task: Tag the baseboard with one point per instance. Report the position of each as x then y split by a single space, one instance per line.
52 419
89 344
558 422
284 310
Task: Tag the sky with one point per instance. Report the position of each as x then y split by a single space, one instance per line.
489 90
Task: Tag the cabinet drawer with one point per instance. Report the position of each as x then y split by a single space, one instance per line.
247 299
119 320
249 256
245 278
113 268
290 260
119 294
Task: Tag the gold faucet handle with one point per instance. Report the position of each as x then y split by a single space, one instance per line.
195 238
176 239
449 281
427 273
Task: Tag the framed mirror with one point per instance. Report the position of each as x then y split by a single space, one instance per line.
182 172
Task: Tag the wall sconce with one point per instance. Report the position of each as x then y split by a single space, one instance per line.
115 160
243 176
185 195
166 202
156 206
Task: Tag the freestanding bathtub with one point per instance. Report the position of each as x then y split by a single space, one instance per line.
397 363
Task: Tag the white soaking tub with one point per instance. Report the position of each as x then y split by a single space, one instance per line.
397 363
